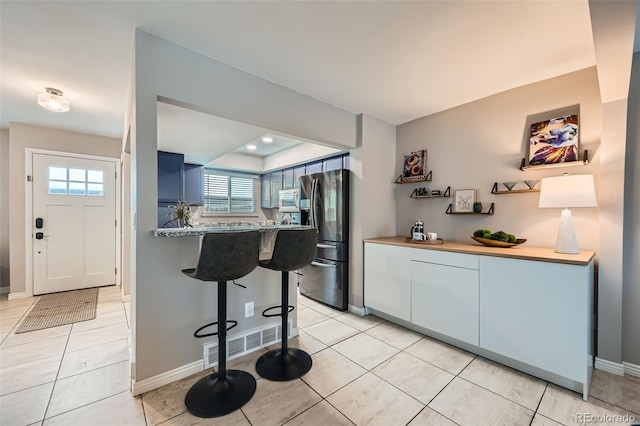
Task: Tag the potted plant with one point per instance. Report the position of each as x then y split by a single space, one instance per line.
477 207
180 216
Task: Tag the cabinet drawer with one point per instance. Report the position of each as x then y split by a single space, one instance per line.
460 260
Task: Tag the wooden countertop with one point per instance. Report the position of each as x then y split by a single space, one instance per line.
518 252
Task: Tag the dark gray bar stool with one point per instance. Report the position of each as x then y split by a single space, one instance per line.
293 249
223 257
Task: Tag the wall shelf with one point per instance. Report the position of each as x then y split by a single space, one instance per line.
423 178
490 211
445 194
495 190
583 162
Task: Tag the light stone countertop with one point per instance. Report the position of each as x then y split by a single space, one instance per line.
197 231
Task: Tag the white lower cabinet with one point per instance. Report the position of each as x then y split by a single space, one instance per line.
536 315
387 277
539 313
445 299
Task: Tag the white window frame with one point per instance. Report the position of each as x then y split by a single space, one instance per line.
231 175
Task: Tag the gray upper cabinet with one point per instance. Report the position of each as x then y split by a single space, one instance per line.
265 191
170 177
288 182
334 163
276 186
194 184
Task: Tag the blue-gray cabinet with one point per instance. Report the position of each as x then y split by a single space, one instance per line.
194 184
170 177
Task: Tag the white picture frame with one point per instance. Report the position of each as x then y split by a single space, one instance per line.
463 200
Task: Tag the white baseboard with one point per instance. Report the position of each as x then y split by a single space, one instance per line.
620 369
142 386
19 295
631 369
358 310
4 290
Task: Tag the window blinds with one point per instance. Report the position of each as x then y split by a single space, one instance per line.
229 192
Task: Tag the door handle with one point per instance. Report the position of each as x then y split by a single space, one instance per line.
327 246
323 265
41 236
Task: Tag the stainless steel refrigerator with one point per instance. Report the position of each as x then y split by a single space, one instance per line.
325 205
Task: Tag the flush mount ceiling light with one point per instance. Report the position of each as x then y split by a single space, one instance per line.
251 147
53 100
267 139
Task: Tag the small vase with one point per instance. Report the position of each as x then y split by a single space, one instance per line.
477 207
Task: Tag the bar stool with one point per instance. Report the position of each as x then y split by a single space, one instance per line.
293 249
223 257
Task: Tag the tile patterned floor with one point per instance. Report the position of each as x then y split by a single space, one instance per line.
366 371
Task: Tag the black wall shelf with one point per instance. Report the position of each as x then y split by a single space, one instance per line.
423 178
583 162
445 194
494 190
490 211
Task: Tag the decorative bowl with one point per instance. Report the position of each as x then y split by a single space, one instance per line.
495 243
531 183
509 185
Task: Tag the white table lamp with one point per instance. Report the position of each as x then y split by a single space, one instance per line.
564 192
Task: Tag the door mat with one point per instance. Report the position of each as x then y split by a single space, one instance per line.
56 309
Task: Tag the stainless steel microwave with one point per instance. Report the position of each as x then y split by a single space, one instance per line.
289 201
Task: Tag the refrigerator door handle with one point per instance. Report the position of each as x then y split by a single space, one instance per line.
323 265
327 246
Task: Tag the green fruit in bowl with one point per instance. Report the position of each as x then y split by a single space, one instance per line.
511 238
500 236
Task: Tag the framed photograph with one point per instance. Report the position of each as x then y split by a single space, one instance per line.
554 141
414 168
463 200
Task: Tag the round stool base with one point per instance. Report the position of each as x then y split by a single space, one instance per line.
209 397
281 366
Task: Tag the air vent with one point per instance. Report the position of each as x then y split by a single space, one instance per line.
244 343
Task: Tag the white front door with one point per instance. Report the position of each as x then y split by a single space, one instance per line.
74 223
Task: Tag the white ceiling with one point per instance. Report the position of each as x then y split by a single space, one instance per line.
394 60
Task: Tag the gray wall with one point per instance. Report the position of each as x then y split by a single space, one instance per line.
373 210
474 145
26 136
631 271
4 209
166 306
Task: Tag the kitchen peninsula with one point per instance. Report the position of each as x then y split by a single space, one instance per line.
525 307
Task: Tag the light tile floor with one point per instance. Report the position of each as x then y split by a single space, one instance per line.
366 371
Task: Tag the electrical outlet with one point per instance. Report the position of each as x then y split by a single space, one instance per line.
248 309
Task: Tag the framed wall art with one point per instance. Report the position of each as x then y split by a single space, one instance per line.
554 141
414 168
463 200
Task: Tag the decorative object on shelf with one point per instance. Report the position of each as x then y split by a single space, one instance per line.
564 192
554 141
417 231
436 193
531 183
425 242
509 185
180 216
451 211
583 162
414 168
477 207
463 200
495 243
495 190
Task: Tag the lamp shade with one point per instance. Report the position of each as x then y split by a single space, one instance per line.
52 100
568 191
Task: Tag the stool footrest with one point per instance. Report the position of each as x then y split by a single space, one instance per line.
233 324
265 314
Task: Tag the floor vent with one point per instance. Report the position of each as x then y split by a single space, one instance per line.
244 343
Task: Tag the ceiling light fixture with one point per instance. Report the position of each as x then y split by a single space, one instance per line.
267 139
53 100
251 147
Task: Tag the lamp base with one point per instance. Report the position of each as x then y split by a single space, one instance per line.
566 242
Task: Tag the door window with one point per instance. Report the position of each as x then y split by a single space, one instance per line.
63 181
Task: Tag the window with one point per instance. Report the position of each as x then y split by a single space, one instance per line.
63 181
229 192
